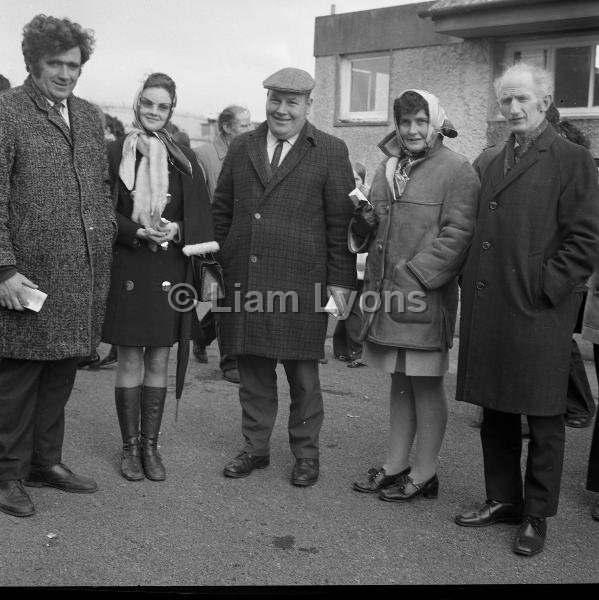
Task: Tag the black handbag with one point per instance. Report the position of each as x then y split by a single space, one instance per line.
208 278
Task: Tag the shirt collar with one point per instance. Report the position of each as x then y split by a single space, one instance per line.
272 140
530 137
53 102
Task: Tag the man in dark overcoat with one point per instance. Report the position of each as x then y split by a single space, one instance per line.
56 232
281 212
535 244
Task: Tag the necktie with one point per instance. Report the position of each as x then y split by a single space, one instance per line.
59 107
276 157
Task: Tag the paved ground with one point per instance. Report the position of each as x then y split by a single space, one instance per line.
201 529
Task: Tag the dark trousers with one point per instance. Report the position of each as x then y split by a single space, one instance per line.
501 439
346 340
209 331
579 401
33 395
593 466
259 403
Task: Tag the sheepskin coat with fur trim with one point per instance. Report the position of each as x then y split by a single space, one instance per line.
139 308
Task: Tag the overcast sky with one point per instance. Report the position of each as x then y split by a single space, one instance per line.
217 51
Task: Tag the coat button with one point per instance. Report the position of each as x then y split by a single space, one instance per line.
481 285
493 205
253 258
486 245
166 286
129 285
379 246
136 243
257 216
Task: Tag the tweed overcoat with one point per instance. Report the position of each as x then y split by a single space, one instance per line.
57 223
416 253
285 235
535 244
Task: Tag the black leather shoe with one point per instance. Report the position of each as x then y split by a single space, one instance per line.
530 538
305 471
91 362
231 375
489 513
110 358
243 464
595 511
407 490
60 477
14 500
199 352
378 480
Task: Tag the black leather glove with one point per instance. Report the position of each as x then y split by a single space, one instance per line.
365 219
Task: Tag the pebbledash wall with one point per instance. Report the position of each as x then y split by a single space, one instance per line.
458 69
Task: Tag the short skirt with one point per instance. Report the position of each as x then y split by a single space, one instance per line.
417 363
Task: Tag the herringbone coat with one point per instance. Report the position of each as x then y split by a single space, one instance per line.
57 223
285 235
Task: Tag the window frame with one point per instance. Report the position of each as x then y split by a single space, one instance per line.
551 44
344 115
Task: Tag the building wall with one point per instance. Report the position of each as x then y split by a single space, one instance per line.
459 74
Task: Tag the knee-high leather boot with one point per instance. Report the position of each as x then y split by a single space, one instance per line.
128 402
152 407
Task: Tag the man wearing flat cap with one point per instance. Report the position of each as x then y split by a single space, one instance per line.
281 212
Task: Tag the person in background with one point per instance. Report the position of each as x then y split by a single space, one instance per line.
57 228
281 212
232 121
347 345
417 228
521 292
163 214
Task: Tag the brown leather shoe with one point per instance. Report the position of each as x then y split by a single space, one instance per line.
60 477
305 471
243 464
14 500
378 480
489 513
530 538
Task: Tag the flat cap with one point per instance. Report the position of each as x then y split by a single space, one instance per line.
290 79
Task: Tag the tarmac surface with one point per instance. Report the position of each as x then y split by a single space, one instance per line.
199 528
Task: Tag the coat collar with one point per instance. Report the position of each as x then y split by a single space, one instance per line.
531 156
42 103
258 155
221 147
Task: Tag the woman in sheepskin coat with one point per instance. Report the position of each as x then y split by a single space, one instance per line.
417 233
163 214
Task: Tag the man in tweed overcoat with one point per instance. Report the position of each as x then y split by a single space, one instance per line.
56 232
281 212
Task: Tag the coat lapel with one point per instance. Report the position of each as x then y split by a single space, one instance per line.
42 104
529 159
304 141
257 152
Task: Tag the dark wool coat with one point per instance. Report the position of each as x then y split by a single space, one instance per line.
535 244
57 223
288 234
416 253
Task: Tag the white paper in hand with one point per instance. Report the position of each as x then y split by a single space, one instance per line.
35 298
357 196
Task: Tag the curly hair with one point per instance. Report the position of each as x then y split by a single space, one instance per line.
161 80
48 36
